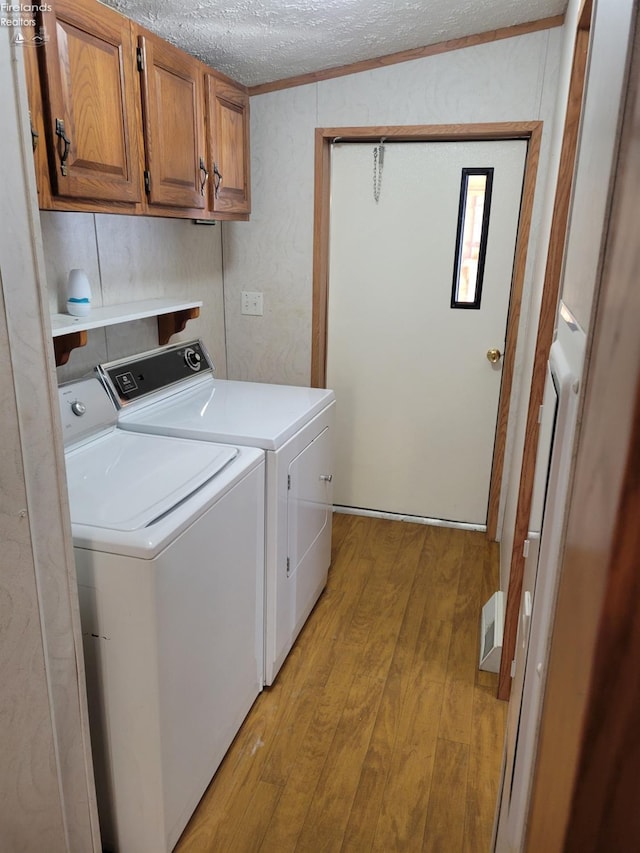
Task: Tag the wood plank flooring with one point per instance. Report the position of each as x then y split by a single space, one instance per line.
380 733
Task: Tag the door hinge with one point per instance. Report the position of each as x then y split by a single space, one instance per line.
288 481
525 548
147 181
288 566
140 59
513 668
540 411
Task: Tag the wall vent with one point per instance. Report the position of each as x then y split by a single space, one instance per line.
491 628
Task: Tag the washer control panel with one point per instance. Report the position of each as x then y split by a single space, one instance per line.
136 377
85 409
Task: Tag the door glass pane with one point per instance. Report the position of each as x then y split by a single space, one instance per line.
471 240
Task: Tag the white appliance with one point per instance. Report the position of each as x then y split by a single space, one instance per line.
169 548
293 425
554 459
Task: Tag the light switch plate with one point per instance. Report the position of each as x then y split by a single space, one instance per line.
251 303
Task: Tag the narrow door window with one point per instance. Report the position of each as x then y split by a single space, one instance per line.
471 240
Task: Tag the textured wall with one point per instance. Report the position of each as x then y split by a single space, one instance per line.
596 157
131 258
273 252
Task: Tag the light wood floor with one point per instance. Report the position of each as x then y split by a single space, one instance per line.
380 733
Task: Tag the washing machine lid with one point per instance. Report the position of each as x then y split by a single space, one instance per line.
252 414
125 481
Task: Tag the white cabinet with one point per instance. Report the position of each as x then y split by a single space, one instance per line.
309 507
299 516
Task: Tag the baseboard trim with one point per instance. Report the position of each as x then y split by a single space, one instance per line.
415 519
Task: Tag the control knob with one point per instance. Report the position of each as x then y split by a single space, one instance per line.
192 358
78 408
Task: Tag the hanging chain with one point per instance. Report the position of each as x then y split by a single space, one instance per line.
378 164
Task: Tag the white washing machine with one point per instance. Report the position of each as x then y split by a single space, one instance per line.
169 548
172 391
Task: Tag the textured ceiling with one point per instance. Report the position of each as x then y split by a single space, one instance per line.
258 41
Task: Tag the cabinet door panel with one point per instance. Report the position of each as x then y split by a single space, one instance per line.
228 132
174 130
90 89
37 119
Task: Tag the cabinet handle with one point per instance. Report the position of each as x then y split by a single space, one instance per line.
203 169
217 179
67 145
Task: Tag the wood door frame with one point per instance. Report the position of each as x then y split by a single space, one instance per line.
544 339
529 131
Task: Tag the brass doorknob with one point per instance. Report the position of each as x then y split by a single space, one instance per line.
494 355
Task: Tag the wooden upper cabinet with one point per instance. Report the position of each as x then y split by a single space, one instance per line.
227 109
89 103
173 125
128 123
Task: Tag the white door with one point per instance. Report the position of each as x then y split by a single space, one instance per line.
417 395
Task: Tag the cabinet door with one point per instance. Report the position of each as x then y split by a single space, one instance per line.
228 135
309 508
90 103
173 126
37 122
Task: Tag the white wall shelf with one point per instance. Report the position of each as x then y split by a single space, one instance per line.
71 332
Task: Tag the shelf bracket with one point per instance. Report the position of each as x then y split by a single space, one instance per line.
171 324
64 345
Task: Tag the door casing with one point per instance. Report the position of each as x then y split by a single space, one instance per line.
532 132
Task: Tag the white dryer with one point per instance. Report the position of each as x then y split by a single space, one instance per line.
169 547
172 391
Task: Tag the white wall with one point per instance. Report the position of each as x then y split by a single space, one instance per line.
129 258
596 155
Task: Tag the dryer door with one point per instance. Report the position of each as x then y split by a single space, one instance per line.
309 507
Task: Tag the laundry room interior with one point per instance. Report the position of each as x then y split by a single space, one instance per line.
418 650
